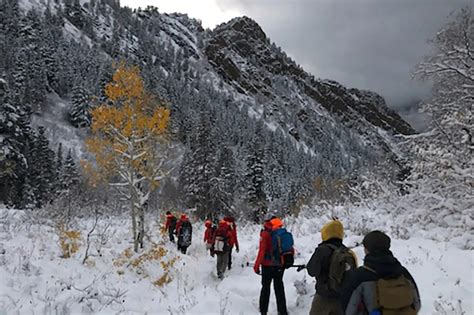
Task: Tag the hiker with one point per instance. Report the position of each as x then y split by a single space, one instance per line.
329 264
233 241
271 258
221 246
170 225
208 235
382 285
184 231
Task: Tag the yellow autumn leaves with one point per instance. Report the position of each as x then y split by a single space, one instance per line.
135 111
124 130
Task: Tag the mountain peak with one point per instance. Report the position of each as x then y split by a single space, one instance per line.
243 27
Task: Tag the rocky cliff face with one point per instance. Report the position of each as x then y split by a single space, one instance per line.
242 54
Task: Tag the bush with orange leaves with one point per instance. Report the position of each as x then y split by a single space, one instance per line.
154 263
68 241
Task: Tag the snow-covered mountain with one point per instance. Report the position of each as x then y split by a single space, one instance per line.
232 80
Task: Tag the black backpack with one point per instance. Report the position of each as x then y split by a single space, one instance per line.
185 234
173 223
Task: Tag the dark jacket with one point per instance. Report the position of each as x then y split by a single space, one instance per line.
318 266
359 293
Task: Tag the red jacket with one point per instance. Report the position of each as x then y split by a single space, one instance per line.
169 219
233 240
209 233
265 248
223 230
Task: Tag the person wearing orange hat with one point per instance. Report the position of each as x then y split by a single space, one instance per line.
271 270
323 266
221 245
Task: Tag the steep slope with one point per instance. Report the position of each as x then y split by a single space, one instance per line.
243 55
230 87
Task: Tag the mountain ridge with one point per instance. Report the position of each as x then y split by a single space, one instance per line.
230 87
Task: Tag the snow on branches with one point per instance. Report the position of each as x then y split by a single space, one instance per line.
129 142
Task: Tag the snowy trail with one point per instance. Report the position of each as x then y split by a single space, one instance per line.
36 280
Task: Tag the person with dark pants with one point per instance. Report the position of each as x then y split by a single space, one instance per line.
222 239
274 274
233 241
271 270
184 231
170 225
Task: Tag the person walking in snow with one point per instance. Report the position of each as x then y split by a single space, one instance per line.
233 241
184 232
325 265
221 247
209 235
170 225
271 270
382 285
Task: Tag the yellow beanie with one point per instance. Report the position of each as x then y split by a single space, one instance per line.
332 229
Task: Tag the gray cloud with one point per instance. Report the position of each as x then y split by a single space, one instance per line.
367 44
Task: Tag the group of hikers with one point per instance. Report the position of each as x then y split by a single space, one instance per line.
381 286
219 239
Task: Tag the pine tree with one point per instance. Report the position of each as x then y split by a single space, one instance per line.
223 182
11 157
255 196
43 181
198 168
70 176
80 112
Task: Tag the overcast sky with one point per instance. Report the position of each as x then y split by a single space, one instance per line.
368 44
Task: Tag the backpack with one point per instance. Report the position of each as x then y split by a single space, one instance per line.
221 241
185 234
172 226
282 246
395 296
340 263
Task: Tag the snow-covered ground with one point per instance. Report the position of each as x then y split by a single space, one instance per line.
35 280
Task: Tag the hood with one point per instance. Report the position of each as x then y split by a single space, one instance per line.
384 264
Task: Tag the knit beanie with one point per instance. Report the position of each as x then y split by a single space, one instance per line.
332 229
376 241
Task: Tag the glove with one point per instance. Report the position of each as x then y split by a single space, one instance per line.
237 249
257 270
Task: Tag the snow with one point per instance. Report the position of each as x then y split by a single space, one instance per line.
58 128
36 279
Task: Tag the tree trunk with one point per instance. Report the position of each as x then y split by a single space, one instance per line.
134 221
141 226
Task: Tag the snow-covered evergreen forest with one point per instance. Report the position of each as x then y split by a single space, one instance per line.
109 117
